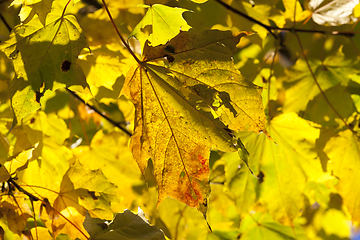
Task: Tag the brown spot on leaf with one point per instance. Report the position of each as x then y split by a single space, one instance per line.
260 177
92 194
205 202
65 66
169 58
170 49
38 96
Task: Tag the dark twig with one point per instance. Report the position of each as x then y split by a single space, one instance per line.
247 17
318 85
34 198
270 29
116 124
5 22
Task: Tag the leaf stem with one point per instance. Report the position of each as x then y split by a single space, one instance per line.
317 83
271 28
63 13
116 124
119 34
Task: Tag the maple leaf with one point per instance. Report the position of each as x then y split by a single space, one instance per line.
99 192
20 160
182 100
126 225
333 13
65 214
117 164
260 224
57 45
301 87
39 7
16 217
164 24
343 152
103 62
240 181
271 160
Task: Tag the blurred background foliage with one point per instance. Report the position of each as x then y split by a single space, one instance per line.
306 184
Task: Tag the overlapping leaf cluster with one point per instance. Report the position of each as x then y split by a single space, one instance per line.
242 116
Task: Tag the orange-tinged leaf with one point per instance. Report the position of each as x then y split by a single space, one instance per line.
184 95
87 113
65 214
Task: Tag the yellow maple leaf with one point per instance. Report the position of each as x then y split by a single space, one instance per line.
185 92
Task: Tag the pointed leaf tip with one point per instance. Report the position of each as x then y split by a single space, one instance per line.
160 24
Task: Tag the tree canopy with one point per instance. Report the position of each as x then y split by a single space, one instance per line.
190 119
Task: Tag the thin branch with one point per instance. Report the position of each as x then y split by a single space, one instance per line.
247 17
119 34
116 124
318 85
5 22
269 81
270 29
63 13
34 198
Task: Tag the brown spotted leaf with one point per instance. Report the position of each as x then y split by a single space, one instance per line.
186 94
44 58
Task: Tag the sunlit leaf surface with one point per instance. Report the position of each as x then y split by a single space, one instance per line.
189 94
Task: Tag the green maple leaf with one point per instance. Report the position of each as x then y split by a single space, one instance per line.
301 86
284 180
44 58
182 102
160 24
240 181
258 225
